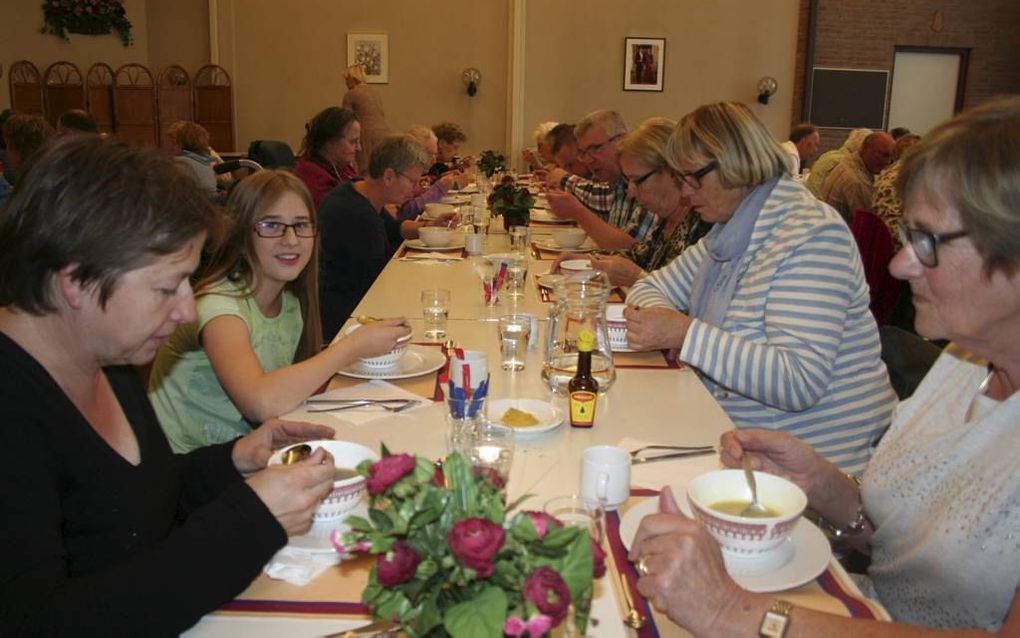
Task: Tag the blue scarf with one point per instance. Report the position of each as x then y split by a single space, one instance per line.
717 277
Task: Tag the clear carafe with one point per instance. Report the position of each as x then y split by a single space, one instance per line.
580 303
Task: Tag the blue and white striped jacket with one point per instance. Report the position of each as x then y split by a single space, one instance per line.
799 350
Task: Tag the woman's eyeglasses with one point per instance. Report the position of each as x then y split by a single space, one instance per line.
925 244
273 230
693 179
638 181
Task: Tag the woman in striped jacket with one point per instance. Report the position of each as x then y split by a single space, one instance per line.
771 306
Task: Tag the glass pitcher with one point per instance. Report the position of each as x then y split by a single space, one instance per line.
580 303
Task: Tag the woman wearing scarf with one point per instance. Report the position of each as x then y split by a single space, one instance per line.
771 307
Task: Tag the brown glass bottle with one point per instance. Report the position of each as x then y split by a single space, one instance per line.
583 389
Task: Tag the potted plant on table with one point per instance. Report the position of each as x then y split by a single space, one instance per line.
451 561
491 162
512 202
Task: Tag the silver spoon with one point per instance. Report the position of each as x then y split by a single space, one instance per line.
296 454
754 508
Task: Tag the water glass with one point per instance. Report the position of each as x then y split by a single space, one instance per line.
474 243
435 308
463 418
520 237
514 331
491 452
479 219
516 274
578 511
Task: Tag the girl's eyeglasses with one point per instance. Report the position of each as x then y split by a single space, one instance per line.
273 230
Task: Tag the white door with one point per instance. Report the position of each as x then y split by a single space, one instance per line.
924 89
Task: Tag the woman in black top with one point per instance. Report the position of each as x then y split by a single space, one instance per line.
105 531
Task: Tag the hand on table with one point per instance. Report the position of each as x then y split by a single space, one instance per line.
684 574
621 271
252 451
655 328
292 492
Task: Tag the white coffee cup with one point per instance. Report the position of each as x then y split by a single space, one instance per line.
605 475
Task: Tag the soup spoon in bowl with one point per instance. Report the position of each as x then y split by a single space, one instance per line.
754 509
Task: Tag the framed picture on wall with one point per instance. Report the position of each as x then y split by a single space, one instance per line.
372 52
643 64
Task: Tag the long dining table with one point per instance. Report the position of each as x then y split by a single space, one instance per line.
653 400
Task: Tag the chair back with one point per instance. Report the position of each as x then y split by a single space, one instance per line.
272 154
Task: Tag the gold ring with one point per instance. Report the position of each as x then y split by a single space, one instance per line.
642 566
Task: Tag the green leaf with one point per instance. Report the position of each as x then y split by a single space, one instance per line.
478 618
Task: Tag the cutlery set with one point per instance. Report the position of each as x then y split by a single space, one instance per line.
641 455
336 405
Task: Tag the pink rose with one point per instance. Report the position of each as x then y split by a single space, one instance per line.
397 565
598 557
345 551
388 470
539 625
546 589
474 542
542 522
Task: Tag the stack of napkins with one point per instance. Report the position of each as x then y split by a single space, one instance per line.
374 389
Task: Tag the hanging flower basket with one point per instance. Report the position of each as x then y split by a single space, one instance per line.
89 17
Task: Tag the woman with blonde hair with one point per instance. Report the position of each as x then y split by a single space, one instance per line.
255 351
771 306
367 105
937 506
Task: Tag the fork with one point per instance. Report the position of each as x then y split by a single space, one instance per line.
678 448
404 404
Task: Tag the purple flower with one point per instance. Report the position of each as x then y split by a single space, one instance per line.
542 522
474 542
397 565
388 470
546 589
539 625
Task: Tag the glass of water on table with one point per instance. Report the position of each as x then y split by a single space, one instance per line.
435 308
514 332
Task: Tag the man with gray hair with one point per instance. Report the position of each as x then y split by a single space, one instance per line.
424 192
801 147
355 231
851 184
600 205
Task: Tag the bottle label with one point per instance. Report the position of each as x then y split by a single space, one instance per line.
582 408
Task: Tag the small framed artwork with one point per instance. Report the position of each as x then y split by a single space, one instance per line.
372 52
644 61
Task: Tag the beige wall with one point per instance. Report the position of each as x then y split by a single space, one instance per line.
20 39
178 33
287 62
714 51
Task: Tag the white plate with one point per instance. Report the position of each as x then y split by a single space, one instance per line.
417 244
549 280
551 246
549 416
456 200
316 539
416 361
799 560
544 216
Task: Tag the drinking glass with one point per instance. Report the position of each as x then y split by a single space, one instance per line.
578 511
491 453
516 274
479 219
435 307
519 239
514 331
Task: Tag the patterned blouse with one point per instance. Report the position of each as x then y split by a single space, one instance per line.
658 250
887 204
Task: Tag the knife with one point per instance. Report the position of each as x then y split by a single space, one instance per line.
371 629
674 455
366 401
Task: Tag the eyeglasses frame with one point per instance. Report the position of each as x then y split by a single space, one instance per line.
907 237
259 227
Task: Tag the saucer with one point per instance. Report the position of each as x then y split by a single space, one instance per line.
549 416
417 360
551 246
417 244
543 216
799 560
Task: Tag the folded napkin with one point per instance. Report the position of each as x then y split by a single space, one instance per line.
374 389
299 567
432 257
678 472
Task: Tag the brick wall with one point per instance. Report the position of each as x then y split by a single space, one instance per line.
863 34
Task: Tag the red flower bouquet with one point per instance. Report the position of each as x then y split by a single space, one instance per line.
450 561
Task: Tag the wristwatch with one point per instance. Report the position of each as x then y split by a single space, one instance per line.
776 620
